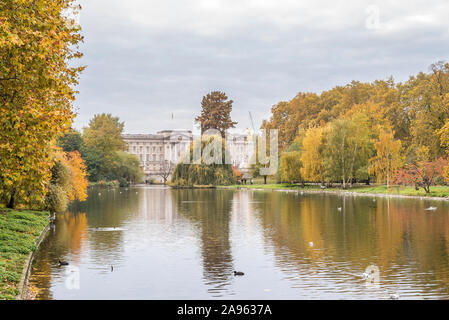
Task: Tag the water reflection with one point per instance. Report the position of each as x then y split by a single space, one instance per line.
210 212
170 244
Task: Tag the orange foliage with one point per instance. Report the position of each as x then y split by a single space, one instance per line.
78 172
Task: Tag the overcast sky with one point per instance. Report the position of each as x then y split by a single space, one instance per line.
149 59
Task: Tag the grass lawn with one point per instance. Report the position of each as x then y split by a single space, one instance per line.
19 232
435 191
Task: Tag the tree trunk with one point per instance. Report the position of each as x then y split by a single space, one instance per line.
264 179
343 161
388 180
12 201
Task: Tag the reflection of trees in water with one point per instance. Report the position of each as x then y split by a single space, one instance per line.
109 208
105 208
210 211
387 232
65 239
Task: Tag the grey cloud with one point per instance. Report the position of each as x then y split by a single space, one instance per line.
144 72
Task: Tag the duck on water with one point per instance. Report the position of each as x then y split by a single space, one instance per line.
63 263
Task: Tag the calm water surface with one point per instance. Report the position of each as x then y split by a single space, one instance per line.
184 244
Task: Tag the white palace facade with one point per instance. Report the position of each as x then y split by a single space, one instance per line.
156 150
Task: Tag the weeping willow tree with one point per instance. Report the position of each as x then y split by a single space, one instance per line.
204 164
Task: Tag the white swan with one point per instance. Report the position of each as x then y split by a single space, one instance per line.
431 208
394 296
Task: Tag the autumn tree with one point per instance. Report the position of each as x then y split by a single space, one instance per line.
37 79
289 117
102 140
422 174
68 180
216 113
290 167
347 148
388 157
312 156
78 175
426 97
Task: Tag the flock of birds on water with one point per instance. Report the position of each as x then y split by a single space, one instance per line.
365 276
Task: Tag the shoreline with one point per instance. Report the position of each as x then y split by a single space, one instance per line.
335 192
26 271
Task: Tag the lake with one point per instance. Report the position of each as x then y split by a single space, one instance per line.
161 243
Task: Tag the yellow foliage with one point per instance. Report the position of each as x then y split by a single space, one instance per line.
388 158
311 157
78 172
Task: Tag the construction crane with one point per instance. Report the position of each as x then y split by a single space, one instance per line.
252 121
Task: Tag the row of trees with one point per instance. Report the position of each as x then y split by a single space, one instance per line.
396 133
102 147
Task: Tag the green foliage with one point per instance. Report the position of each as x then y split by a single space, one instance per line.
102 149
60 174
202 173
56 200
347 149
127 168
290 166
18 236
95 164
71 141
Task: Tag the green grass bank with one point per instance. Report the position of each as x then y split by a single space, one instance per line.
19 233
435 191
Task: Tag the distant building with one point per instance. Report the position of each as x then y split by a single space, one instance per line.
156 150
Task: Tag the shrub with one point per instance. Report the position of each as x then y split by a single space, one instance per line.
56 200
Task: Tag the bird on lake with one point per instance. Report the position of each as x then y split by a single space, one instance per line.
238 273
394 296
339 208
63 263
365 276
431 208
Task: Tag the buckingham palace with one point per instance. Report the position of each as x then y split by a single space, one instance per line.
168 146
